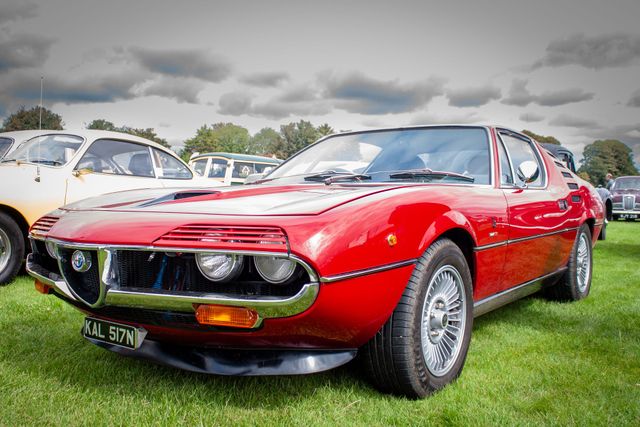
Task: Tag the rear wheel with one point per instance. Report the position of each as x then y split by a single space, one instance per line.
575 284
423 345
11 248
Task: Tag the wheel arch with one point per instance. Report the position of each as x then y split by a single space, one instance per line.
18 218
455 227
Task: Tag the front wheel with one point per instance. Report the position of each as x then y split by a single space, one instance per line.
423 345
11 248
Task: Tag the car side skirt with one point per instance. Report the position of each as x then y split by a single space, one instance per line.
237 362
507 296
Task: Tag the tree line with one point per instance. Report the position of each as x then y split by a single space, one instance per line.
599 158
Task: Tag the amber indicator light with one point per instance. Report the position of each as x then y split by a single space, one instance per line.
392 240
42 288
223 315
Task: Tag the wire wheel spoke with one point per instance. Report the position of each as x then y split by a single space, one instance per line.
443 320
583 263
5 250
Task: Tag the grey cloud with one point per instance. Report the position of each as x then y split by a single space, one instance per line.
266 79
14 11
24 51
197 63
235 104
179 89
22 87
301 93
634 101
596 52
473 97
357 93
240 103
562 97
565 120
531 117
520 96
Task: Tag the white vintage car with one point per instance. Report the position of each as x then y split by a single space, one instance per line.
59 167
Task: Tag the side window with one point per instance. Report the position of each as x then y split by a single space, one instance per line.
242 170
5 144
200 166
506 176
118 158
263 168
218 168
521 150
170 167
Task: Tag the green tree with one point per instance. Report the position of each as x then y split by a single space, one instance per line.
265 142
148 133
542 139
224 137
24 119
607 156
296 136
325 129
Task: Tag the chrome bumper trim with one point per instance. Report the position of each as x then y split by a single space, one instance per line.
623 212
367 271
48 278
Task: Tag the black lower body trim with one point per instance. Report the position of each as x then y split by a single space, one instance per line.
517 292
245 362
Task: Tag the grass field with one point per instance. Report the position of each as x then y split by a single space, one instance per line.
533 362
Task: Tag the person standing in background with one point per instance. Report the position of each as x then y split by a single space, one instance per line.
610 180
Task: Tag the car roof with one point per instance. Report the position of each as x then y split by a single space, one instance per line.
20 135
91 135
238 156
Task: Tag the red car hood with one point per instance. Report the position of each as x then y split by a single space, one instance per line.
307 199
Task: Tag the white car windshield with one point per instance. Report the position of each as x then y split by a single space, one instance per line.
420 154
51 150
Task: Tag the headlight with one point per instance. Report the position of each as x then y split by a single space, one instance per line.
51 249
274 269
219 267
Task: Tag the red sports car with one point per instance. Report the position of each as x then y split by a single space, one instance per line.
385 243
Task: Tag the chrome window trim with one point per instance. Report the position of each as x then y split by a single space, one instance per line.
119 174
536 153
83 145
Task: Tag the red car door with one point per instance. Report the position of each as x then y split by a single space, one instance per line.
539 232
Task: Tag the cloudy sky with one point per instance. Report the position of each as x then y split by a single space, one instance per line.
570 69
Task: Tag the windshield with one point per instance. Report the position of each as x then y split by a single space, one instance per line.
5 144
626 184
378 154
52 150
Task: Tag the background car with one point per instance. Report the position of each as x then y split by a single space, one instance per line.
9 141
565 156
231 168
390 253
625 193
60 167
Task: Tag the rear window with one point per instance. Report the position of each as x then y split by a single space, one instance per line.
5 144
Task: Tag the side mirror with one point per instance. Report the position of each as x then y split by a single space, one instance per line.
80 172
528 172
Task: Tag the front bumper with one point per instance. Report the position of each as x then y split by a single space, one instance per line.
625 212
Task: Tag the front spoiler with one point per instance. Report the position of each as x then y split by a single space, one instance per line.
246 362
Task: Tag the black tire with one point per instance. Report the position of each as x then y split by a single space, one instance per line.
394 358
615 217
569 287
13 241
603 232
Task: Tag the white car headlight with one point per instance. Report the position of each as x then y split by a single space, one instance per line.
274 269
219 267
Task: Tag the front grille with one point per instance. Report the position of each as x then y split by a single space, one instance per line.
85 285
44 224
42 258
176 272
270 239
628 202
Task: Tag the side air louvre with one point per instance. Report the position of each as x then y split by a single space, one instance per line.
560 164
566 175
204 236
44 224
573 185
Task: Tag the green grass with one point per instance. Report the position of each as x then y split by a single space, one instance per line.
533 362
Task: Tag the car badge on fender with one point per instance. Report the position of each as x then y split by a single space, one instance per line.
80 261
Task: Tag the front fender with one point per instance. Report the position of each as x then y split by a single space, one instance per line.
447 221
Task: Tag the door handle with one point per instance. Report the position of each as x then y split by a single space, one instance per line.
563 205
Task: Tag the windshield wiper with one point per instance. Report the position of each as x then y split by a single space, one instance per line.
332 176
428 173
